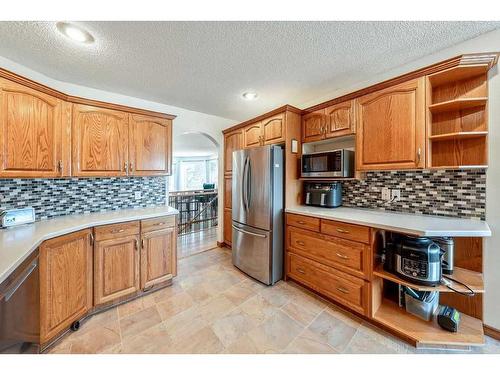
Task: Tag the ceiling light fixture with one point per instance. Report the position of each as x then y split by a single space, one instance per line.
249 95
74 32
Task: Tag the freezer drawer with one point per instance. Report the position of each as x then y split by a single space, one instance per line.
252 252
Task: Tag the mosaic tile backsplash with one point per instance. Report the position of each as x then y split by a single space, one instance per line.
456 193
56 197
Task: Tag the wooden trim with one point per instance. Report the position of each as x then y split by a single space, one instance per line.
492 332
489 59
79 100
221 244
264 116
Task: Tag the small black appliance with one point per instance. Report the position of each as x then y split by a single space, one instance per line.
447 245
323 194
448 318
416 259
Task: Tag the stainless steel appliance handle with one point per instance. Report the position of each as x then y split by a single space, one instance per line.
250 233
8 295
249 184
243 185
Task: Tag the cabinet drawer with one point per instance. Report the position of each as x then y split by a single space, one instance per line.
106 232
305 222
157 223
347 231
348 256
346 289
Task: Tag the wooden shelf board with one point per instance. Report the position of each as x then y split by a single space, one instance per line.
473 279
482 166
457 104
457 73
470 331
458 135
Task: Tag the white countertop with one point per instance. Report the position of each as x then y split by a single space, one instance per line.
413 224
17 243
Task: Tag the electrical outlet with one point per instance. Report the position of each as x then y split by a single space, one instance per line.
395 195
386 194
138 195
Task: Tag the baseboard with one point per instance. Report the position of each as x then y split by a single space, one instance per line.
221 244
492 332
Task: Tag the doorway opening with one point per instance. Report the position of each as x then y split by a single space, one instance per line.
193 190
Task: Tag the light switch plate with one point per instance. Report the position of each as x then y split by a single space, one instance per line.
386 194
138 195
395 195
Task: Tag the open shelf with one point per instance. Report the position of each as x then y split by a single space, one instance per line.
457 104
473 279
457 73
470 331
458 135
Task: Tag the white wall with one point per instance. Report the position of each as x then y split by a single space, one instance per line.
186 121
489 42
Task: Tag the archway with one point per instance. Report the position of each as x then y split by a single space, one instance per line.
193 190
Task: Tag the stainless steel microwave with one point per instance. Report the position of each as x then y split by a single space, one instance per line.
337 163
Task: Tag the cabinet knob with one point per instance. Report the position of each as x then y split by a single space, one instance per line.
419 155
125 167
60 166
131 167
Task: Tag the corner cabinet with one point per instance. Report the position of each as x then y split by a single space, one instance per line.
150 146
391 127
100 141
34 133
65 282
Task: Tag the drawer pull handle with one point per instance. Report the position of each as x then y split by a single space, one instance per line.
118 230
342 256
342 230
302 243
300 270
343 290
162 223
301 222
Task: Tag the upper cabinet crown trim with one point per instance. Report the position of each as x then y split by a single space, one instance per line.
488 59
79 100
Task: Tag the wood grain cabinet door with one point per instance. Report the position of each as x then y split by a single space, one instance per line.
158 256
340 119
313 126
228 229
252 135
116 268
232 142
391 127
34 133
228 192
150 145
65 282
273 129
100 141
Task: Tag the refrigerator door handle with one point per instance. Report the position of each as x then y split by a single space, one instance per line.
244 184
249 184
250 233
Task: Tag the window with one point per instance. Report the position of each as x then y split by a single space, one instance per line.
192 173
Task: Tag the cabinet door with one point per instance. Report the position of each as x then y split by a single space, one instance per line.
150 145
116 268
100 141
65 282
313 126
228 229
391 127
252 135
340 119
158 257
34 133
232 142
228 192
273 129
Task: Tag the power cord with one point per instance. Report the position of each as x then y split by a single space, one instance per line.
445 282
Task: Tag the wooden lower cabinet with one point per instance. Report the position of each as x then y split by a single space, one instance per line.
158 257
116 268
350 291
65 282
228 229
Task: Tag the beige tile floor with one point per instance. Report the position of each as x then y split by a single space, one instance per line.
214 308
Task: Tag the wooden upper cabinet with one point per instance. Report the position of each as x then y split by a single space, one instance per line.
150 146
252 135
158 257
340 120
34 133
232 142
99 141
65 282
391 127
313 126
273 129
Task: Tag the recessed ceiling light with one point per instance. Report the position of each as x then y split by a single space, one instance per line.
249 95
74 32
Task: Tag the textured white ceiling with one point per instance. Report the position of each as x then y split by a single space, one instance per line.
205 66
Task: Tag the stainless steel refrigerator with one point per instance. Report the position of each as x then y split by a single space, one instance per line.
257 209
